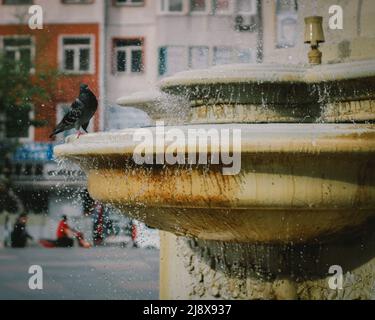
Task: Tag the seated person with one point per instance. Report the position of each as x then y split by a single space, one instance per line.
64 234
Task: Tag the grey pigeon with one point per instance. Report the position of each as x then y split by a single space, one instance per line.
82 110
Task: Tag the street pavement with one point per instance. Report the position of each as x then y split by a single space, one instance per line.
76 273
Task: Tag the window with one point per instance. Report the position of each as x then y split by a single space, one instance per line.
246 7
172 59
19 49
246 18
163 52
222 6
244 55
286 16
128 55
172 6
228 55
18 124
18 2
129 2
77 1
223 55
77 54
198 6
198 57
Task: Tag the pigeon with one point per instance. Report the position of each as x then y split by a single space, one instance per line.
80 113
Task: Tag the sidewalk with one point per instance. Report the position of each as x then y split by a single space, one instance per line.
97 273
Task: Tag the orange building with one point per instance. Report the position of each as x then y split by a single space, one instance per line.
68 49
72 50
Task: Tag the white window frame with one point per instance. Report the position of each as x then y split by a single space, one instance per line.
205 12
279 19
32 48
129 3
78 1
76 48
186 58
247 13
16 4
190 56
234 51
243 49
217 48
291 14
128 50
185 8
223 12
31 130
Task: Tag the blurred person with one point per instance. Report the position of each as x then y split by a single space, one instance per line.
64 233
98 224
7 231
65 236
19 235
102 224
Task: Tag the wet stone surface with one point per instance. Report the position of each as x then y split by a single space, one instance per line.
215 275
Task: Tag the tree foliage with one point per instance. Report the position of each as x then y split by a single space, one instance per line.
21 90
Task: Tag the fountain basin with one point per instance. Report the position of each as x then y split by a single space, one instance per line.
298 183
158 105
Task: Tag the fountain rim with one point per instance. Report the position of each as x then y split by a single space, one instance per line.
247 74
141 98
258 138
270 73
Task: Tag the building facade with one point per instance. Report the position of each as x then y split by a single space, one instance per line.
68 47
158 38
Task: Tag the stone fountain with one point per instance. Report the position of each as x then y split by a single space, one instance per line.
302 203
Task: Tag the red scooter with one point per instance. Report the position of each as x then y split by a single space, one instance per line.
49 243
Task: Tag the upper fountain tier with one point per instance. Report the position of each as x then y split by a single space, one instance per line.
264 93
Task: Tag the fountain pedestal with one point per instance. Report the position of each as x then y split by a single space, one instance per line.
193 269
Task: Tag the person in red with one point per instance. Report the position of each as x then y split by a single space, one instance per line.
64 234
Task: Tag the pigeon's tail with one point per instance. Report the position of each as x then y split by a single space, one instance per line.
52 135
55 132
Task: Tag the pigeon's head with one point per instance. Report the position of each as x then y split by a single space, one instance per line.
83 87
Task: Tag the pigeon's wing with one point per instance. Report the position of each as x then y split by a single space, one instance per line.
91 105
69 120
